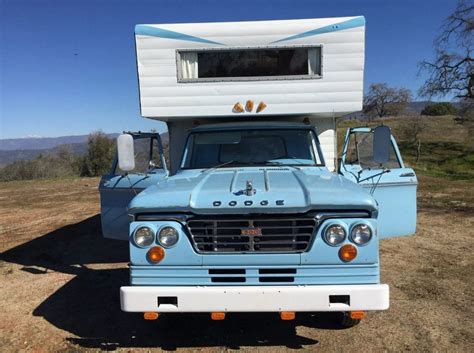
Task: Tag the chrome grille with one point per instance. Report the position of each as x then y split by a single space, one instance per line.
284 233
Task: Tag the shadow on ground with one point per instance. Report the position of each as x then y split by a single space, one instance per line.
88 306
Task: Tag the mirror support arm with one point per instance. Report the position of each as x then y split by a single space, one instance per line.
375 175
162 155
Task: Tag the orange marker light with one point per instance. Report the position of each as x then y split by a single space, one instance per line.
217 316
261 106
238 108
357 315
347 252
156 254
249 106
150 315
287 315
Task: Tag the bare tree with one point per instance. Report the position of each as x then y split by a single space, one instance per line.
452 70
382 100
413 128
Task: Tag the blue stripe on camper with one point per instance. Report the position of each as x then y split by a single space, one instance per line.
352 23
165 33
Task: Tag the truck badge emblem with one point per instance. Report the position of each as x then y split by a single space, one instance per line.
251 231
249 190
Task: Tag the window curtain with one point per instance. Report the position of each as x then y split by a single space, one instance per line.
314 61
189 65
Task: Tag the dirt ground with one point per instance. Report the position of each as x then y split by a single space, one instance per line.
59 282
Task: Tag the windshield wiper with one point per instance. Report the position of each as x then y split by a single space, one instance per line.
298 160
218 166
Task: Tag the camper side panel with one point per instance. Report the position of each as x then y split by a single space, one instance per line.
337 91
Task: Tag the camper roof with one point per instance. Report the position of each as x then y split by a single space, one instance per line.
310 66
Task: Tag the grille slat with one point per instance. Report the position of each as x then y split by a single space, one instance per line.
252 234
266 227
263 235
265 243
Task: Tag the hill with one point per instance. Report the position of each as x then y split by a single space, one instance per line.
10 156
43 143
29 148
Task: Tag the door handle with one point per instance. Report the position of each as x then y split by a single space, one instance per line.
406 175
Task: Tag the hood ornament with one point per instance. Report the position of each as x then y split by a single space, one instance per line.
249 190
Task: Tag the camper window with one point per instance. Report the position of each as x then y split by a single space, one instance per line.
249 64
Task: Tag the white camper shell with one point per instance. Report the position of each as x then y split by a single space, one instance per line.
290 69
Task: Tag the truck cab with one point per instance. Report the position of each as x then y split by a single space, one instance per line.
252 211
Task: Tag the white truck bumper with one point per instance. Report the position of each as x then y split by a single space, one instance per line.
255 298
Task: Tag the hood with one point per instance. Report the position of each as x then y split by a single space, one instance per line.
275 190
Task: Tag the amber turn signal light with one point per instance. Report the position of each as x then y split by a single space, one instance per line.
156 254
357 315
249 106
261 106
150 315
217 316
287 315
238 108
347 252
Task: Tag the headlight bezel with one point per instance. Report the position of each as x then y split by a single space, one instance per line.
326 230
354 227
147 244
159 237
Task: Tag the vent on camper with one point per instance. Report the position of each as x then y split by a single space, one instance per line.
276 233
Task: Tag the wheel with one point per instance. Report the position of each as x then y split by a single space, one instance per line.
345 320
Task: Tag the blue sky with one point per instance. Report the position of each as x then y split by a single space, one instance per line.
68 67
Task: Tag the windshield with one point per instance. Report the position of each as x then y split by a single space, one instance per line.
291 147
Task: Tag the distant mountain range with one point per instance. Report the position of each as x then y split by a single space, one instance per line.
28 148
43 143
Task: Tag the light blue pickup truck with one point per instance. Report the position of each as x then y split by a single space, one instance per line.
251 210
253 220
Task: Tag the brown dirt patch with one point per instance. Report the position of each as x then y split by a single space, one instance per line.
60 281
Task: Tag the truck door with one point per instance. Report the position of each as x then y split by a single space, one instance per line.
391 184
118 188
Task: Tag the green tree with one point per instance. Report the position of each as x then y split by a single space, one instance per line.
60 164
100 154
443 108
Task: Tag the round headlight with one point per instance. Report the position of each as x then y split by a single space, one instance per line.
168 236
334 234
144 236
361 234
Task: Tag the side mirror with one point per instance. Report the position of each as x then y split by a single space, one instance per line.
382 141
126 153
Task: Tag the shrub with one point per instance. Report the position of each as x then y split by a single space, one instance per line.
443 108
64 163
61 164
100 154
